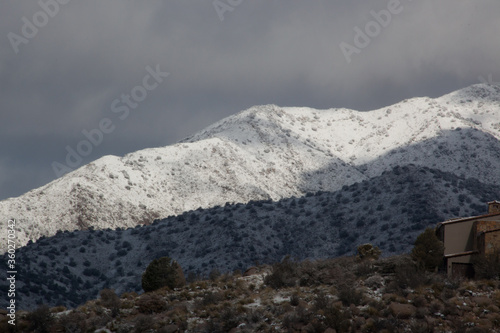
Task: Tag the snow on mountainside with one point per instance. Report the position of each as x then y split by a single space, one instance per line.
268 152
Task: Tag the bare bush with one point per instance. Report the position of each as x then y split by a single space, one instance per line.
151 303
73 322
284 274
111 301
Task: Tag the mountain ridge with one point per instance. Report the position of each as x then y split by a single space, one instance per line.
268 152
388 211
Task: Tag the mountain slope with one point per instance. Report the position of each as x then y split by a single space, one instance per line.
268 152
388 211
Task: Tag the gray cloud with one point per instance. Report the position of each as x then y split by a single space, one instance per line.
285 52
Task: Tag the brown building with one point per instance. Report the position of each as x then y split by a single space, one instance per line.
464 238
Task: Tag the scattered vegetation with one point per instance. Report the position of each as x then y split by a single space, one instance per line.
394 294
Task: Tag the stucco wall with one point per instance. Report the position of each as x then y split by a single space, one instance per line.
458 237
490 241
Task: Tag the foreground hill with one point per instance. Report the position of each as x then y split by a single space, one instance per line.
388 211
268 152
332 295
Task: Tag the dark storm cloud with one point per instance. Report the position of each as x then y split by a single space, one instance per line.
65 78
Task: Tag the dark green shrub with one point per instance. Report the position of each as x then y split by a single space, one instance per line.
91 272
162 272
428 250
41 319
65 270
348 294
294 299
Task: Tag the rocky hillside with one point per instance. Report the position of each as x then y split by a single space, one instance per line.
333 295
268 152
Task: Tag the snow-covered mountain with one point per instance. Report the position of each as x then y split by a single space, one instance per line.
269 152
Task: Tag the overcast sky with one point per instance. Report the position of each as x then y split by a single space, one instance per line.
68 66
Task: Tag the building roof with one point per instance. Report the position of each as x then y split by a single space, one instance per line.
494 201
464 219
460 254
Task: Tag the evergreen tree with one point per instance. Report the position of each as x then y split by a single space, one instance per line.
162 272
428 250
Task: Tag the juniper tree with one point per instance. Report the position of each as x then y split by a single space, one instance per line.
428 250
162 272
